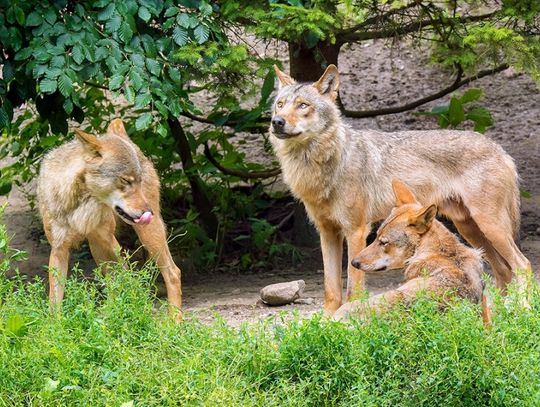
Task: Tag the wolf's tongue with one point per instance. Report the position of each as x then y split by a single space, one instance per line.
145 218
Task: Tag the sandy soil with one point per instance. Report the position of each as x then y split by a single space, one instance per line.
369 81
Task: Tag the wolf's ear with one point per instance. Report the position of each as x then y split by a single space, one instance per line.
328 83
284 79
89 142
403 194
116 128
423 219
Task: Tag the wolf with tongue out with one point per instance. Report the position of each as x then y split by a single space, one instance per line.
83 186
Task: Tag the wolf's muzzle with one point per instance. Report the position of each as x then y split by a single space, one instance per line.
278 124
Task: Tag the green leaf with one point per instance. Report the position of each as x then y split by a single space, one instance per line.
440 110
125 32
114 23
58 61
143 121
153 66
8 73
77 54
107 12
19 15
205 8
144 14
16 325
481 117
149 46
50 15
162 108
129 93
34 19
138 60
136 79
523 193
68 106
471 95
171 11
5 187
142 100
51 385
47 85
116 81
180 36
65 86
267 87
175 75
456 114
4 118
183 20
201 33
23 54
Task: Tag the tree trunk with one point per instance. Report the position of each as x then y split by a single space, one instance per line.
201 199
308 64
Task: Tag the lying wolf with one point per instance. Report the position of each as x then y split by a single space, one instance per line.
83 186
434 259
344 176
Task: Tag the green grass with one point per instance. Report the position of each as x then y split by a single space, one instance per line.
111 347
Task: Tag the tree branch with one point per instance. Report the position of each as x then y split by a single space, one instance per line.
378 18
400 30
259 128
409 106
238 173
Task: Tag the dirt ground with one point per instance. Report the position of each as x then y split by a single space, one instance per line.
369 81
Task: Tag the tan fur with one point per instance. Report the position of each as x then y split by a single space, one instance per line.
80 185
435 261
343 177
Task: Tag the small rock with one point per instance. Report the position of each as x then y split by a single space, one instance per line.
305 301
282 293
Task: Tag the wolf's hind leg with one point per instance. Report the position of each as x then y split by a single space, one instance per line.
502 240
501 270
154 239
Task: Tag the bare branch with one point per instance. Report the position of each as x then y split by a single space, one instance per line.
238 173
409 106
398 31
258 128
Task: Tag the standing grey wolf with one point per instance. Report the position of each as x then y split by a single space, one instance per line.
343 177
83 186
434 259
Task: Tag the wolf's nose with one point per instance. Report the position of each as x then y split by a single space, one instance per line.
278 123
356 263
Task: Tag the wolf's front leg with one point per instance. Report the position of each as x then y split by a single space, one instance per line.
356 241
58 270
154 239
332 252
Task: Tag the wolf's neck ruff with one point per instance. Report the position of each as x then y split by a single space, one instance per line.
312 166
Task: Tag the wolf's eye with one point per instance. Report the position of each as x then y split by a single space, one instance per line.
383 242
303 106
125 181
279 105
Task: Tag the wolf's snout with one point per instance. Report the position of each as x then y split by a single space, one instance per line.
356 263
278 123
